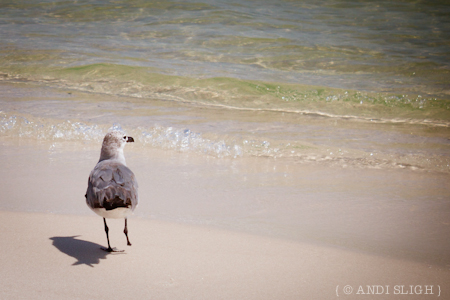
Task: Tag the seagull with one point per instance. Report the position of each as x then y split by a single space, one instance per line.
112 187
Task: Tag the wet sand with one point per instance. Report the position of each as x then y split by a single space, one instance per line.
219 228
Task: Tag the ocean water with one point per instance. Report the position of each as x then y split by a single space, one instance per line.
348 83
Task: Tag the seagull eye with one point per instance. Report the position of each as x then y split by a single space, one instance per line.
124 137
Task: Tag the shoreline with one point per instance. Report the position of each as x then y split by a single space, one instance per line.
58 115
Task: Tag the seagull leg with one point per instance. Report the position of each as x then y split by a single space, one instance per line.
107 237
109 249
126 232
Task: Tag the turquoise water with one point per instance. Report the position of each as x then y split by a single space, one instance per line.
399 47
278 78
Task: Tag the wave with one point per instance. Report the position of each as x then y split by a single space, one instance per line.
219 146
182 140
240 94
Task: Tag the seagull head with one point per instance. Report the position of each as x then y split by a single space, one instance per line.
113 144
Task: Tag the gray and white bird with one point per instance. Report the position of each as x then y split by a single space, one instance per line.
112 187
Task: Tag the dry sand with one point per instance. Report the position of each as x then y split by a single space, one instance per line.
47 256
50 241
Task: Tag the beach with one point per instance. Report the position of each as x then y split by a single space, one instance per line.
239 246
49 256
283 149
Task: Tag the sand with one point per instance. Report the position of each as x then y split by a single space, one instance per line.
185 247
47 256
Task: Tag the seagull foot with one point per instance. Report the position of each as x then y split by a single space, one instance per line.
111 249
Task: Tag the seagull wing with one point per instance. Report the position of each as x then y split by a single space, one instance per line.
112 185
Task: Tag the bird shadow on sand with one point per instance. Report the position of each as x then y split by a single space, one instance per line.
86 253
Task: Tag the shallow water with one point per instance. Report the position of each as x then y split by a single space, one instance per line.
353 83
58 115
387 61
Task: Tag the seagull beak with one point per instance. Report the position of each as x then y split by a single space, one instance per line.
130 139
